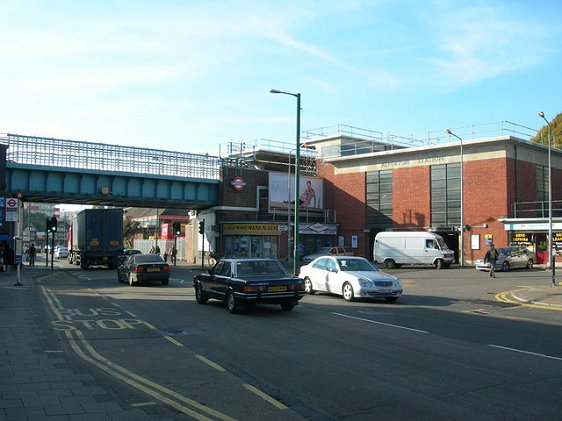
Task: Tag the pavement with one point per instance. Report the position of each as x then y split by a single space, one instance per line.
40 381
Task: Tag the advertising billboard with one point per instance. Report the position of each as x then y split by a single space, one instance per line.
282 191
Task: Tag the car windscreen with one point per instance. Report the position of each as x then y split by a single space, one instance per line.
351 265
148 258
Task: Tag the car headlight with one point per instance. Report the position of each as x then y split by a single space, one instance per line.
397 283
365 282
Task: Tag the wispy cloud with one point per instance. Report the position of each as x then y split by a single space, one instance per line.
484 42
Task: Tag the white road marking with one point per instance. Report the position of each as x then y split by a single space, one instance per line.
536 354
381 323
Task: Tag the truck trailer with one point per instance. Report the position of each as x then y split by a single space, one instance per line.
96 238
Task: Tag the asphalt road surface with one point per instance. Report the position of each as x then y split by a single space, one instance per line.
448 349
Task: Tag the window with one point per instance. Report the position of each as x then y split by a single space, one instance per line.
542 183
378 198
446 195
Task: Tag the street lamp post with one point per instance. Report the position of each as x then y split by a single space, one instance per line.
461 238
297 179
550 254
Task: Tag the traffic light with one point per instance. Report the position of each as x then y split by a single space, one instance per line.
48 225
177 228
202 227
53 224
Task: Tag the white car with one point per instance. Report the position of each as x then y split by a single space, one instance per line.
351 277
61 252
328 251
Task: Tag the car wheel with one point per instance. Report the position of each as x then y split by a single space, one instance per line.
530 264
288 306
231 303
308 286
347 292
439 264
200 296
505 266
391 299
389 264
131 279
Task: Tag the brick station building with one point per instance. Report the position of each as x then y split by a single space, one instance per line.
364 186
505 192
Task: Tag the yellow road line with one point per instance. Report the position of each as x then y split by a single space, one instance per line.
210 363
265 396
75 346
172 340
127 376
150 383
503 297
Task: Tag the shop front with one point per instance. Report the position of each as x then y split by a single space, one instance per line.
250 240
534 236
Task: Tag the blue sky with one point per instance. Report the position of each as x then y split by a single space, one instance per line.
193 75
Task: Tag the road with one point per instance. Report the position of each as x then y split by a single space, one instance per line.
448 349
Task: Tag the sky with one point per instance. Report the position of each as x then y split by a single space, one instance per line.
193 76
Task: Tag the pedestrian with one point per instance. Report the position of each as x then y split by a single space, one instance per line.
157 249
151 250
491 257
166 256
174 255
31 253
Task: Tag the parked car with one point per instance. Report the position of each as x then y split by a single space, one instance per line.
510 258
61 252
328 251
141 268
351 277
240 282
127 253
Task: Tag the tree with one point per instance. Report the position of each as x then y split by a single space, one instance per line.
130 228
555 130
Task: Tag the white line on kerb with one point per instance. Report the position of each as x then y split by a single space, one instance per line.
536 354
381 323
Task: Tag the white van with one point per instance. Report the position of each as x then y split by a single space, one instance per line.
396 248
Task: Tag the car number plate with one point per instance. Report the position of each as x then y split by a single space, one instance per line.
153 270
277 289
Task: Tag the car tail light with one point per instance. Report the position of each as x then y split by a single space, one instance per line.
250 288
139 269
297 287
166 268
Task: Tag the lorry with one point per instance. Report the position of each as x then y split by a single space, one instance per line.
95 237
396 248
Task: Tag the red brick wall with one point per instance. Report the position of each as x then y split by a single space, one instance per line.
346 194
410 197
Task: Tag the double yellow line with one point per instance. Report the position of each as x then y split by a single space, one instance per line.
167 396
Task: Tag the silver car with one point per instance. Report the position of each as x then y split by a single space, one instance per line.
351 277
328 251
510 258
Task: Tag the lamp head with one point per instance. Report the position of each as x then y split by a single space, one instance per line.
541 114
448 131
274 91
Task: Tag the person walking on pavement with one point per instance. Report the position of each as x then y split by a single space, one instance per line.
174 254
491 257
31 253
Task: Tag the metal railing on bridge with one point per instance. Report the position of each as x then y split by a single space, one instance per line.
42 151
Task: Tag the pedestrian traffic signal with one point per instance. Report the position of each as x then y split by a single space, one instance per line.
177 228
202 227
48 225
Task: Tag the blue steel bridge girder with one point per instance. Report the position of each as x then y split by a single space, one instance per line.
69 185
69 171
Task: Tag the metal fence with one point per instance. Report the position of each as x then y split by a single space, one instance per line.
42 151
537 209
